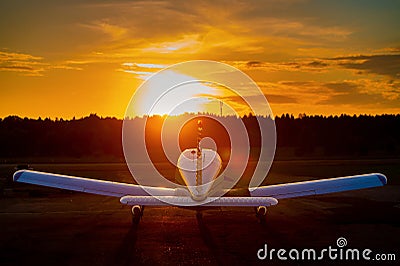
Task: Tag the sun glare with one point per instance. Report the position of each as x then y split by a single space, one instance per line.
161 96
205 87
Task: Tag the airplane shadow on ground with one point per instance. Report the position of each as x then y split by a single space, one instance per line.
126 254
207 237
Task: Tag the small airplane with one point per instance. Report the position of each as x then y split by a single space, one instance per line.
199 169
139 196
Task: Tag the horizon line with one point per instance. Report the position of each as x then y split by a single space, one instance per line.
285 115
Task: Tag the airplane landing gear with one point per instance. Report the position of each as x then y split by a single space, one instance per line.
137 213
261 213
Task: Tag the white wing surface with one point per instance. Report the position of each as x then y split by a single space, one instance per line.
188 201
136 195
94 186
321 186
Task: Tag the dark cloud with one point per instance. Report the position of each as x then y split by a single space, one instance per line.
273 98
307 87
317 64
357 98
324 87
346 93
341 86
254 64
384 64
353 93
17 68
30 65
305 65
388 64
20 62
297 83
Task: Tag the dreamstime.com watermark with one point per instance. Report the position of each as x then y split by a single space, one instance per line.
338 252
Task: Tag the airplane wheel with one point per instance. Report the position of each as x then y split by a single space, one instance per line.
261 213
137 213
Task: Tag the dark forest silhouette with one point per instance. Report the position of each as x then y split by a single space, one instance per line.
304 136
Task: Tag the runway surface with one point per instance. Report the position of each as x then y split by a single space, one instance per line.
54 227
73 229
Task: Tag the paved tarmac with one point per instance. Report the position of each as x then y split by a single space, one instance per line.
52 227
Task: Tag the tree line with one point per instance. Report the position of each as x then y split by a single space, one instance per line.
297 137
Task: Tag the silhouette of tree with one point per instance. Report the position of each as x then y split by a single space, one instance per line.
94 137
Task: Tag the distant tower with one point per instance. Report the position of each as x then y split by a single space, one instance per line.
199 167
220 107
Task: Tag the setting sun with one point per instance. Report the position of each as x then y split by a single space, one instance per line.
198 86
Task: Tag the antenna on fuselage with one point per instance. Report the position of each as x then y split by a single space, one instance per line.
199 166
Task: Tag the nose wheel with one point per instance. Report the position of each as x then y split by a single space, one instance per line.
137 213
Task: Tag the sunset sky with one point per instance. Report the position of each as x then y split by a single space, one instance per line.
73 58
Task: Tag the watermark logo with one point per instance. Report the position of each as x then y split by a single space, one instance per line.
194 90
340 252
341 242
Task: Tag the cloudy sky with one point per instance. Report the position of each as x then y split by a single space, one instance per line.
73 58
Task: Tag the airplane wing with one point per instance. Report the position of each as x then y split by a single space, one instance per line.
94 186
321 186
131 194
